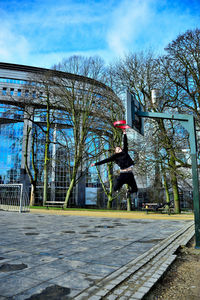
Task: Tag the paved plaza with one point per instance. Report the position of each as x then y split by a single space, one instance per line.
47 256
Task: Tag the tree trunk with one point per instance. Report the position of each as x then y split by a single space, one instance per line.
109 203
167 194
46 159
129 203
166 188
32 199
128 200
174 184
46 154
175 194
110 178
69 191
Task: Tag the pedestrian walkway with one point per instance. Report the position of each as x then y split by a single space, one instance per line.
86 256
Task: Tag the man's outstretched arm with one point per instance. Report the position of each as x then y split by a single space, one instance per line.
101 162
125 141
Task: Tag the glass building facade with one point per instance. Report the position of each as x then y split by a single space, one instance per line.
11 134
14 86
10 152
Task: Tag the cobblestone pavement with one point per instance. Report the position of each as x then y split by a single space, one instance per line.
46 256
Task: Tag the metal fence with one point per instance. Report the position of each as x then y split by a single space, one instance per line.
14 197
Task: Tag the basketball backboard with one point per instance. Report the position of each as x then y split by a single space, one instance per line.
132 119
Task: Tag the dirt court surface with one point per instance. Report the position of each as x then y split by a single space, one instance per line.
182 279
114 214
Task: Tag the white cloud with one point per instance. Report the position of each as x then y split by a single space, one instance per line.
47 60
142 24
35 35
129 19
13 47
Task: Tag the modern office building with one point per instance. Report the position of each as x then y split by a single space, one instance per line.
23 118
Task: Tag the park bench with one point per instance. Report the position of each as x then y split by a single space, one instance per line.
158 207
150 207
54 204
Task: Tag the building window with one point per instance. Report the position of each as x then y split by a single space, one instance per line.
4 91
11 92
92 179
19 92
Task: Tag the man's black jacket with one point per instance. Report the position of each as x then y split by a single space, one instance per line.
122 159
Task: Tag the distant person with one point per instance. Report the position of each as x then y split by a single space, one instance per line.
125 162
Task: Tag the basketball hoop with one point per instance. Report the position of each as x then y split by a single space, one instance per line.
121 124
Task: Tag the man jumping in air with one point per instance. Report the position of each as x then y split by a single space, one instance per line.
124 161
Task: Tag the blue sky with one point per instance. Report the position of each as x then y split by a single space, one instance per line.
43 32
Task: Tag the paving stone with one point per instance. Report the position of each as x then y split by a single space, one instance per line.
43 272
94 298
111 297
148 284
52 292
73 280
109 286
128 293
92 289
13 284
83 296
152 280
101 292
138 295
38 290
143 289
119 291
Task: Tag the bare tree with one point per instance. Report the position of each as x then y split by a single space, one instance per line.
181 66
87 104
140 73
92 67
